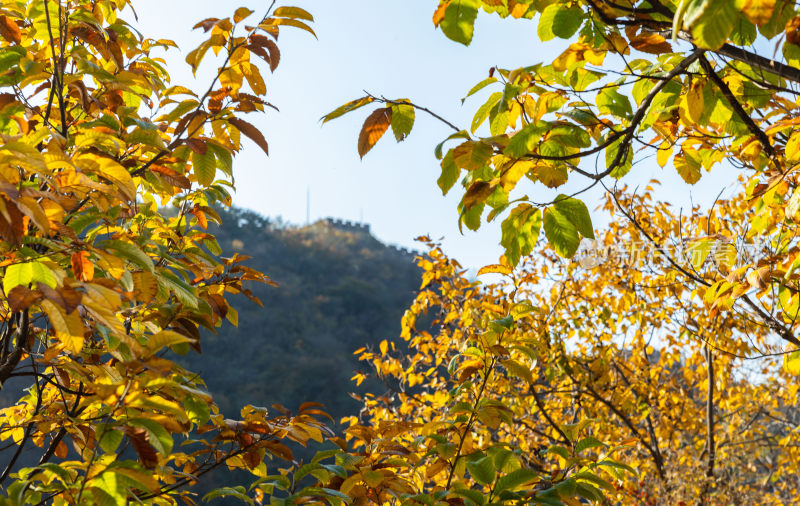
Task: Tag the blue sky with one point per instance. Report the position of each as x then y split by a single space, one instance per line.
386 48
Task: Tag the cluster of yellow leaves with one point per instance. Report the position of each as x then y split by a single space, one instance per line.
573 376
98 283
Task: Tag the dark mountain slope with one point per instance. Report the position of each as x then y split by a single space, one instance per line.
339 289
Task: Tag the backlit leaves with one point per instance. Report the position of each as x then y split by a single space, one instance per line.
108 262
402 120
557 20
459 19
373 129
561 232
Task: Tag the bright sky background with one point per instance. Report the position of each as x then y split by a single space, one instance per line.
391 49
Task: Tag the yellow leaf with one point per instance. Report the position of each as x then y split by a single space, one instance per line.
111 171
145 286
494 269
293 12
241 13
793 147
693 101
163 339
254 79
664 153
68 327
34 211
758 12
272 22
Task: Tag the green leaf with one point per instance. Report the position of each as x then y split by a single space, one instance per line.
402 121
524 141
515 479
478 87
109 489
40 273
157 435
483 111
237 492
440 147
618 465
472 217
163 339
472 155
588 476
577 213
17 274
561 233
611 101
560 451
183 292
570 135
588 491
520 232
711 22
587 443
205 167
558 21
130 252
59 471
450 173
348 107
482 470
198 410
507 322
474 496
224 157
625 163
110 438
458 23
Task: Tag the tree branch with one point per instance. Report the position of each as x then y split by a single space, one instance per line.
737 107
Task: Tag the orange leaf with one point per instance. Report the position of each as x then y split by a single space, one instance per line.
438 15
82 268
61 450
374 128
10 30
201 217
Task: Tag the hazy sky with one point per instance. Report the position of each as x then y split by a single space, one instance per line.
386 48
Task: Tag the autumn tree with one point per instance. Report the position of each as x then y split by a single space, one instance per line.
100 287
673 344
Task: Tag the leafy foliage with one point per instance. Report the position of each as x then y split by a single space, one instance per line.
545 387
98 286
678 81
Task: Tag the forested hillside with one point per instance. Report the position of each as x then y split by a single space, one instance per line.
338 289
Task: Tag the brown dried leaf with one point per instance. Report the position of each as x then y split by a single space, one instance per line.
21 297
478 193
147 454
252 132
197 145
